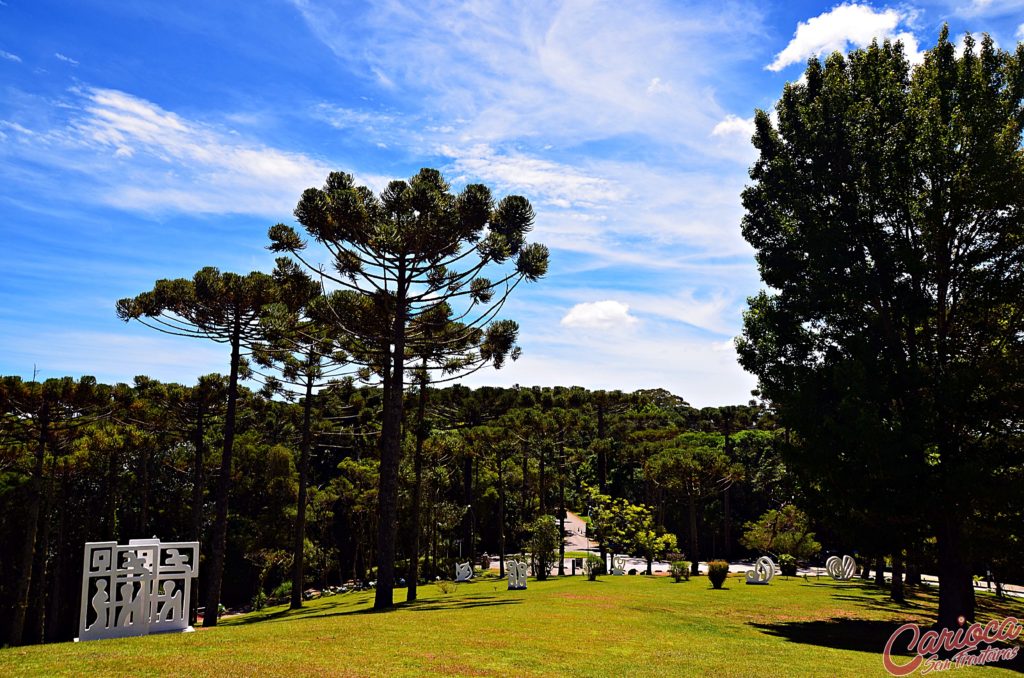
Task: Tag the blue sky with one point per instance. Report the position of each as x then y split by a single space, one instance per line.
145 140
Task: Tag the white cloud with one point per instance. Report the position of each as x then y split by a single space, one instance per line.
66 59
733 124
845 26
606 315
144 158
9 56
1020 32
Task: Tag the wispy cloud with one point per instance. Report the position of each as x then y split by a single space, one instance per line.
10 57
844 26
144 158
65 59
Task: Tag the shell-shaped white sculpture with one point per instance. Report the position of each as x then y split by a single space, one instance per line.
841 569
619 565
764 570
463 571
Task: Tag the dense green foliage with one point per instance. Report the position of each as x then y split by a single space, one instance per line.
887 216
136 460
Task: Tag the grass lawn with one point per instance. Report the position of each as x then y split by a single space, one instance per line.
617 626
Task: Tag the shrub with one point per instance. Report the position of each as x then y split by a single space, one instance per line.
718 570
787 565
593 566
283 590
259 601
680 570
447 586
543 545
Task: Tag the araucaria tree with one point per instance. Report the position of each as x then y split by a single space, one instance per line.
222 307
416 251
887 213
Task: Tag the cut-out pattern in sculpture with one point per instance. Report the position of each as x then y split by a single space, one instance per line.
764 570
619 567
134 589
516 576
463 571
841 569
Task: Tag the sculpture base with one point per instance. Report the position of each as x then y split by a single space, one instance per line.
757 583
516 588
187 629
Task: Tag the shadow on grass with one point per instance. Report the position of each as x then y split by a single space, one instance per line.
331 609
857 635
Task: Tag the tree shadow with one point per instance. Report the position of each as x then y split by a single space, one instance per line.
324 610
857 635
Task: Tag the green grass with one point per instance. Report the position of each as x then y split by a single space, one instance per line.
617 626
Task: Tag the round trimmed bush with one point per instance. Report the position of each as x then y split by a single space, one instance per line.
718 570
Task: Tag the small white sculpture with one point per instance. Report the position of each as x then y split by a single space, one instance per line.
136 589
841 570
619 567
516 576
463 571
764 570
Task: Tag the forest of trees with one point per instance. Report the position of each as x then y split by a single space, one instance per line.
114 462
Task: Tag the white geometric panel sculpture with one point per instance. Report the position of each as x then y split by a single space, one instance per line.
135 589
619 567
463 571
764 570
841 570
516 576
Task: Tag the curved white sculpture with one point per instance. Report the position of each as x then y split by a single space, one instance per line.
841 569
764 570
516 576
136 589
463 571
619 567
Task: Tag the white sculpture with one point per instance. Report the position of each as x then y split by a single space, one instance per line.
619 565
516 576
136 589
764 570
841 570
463 571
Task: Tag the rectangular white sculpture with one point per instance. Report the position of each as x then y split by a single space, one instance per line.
136 589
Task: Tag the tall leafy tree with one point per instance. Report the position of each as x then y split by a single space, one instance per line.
225 308
413 250
887 215
37 415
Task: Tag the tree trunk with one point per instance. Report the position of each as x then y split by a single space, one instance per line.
197 495
421 435
218 544
561 521
865 572
501 517
390 452
727 536
31 522
299 547
543 501
467 497
896 586
956 586
880 571
694 555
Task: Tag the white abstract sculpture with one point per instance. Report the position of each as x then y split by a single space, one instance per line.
516 576
463 571
135 589
841 570
619 567
764 570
